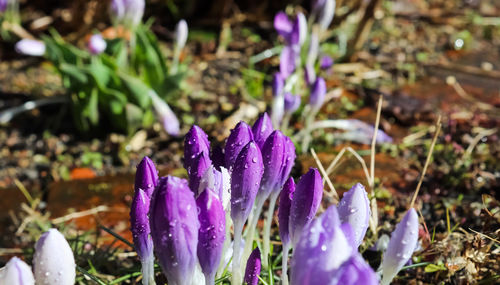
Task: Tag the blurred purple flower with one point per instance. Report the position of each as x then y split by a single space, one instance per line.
288 60
292 102
309 74
305 203
278 84
261 129
283 25
30 47
16 272
174 229
238 138
401 246
3 5
299 30
96 44
325 62
326 13
127 12
355 271
211 234
318 92
354 208
181 34
253 267
167 117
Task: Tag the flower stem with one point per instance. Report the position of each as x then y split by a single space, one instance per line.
252 225
236 278
284 264
267 228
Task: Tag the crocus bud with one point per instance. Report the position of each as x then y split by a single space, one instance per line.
354 208
325 62
252 270
30 47
288 60
196 172
309 74
312 52
53 261
273 154
299 30
146 176
278 84
318 92
326 14
355 271
289 161
3 5
401 246
117 10
283 25
16 272
127 12
305 203
195 142
321 250
141 233
286 197
292 102
211 234
261 129
167 117
174 229
181 34
245 181
96 44
239 137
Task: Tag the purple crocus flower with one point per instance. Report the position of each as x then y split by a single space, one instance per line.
96 44
3 5
320 251
326 14
278 84
181 34
354 208
219 181
239 137
30 47
252 271
318 92
146 176
299 30
195 142
288 60
261 129
283 25
167 117
401 246
325 62
53 262
141 233
356 271
245 182
274 156
212 233
285 204
127 12
174 229
305 203
16 272
196 172
292 102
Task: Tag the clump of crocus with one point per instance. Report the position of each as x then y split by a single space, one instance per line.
211 234
146 179
324 255
245 182
16 272
252 270
401 246
53 261
354 208
174 229
96 44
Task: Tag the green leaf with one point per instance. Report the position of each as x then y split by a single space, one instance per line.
92 109
74 72
134 117
435 267
138 90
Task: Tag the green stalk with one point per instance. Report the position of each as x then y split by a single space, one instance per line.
267 228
